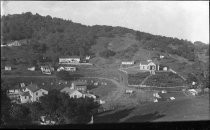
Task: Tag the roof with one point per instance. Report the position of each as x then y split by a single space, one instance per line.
33 87
144 62
25 94
14 87
70 57
68 90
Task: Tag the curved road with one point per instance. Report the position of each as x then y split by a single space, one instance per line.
110 98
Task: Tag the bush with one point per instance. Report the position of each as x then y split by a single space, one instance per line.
107 53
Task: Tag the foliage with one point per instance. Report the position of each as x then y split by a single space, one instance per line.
58 106
5 107
107 53
165 79
20 114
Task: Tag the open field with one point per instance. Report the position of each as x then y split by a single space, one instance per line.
136 79
178 110
164 79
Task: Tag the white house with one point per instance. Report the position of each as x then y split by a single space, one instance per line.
25 97
8 68
34 91
161 56
90 95
128 91
156 95
79 85
47 69
15 43
67 68
14 93
22 85
87 58
193 92
70 60
31 68
72 92
127 62
148 66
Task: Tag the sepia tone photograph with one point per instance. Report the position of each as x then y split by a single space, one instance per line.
104 62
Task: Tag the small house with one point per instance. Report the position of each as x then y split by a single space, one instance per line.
90 95
172 98
47 69
14 43
25 97
163 67
193 92
31 68
66 68
87 58
156 95
128 91
8 68
13 93
35 92
69 60
79 85
127 63
148 66
72 92
22 85
155 100
161 56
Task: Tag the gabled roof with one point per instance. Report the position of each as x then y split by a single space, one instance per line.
25 94
70 57
144 62
68 90
33 87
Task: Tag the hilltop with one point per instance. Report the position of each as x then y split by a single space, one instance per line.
55 37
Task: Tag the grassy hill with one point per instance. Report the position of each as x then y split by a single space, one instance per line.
52 38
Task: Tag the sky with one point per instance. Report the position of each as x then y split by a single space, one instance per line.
188 20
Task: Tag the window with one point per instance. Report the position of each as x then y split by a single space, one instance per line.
75 96
25 97
43 93
36 93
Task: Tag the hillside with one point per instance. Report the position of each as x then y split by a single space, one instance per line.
49 38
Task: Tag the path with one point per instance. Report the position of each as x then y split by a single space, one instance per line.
145 79
35 76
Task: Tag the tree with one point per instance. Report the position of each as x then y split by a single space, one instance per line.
20 114
5 107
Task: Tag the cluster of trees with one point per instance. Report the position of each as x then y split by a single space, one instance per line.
107 53
54 37
55 106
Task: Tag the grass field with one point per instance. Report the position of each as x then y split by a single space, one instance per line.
136 79
185 109
164 79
